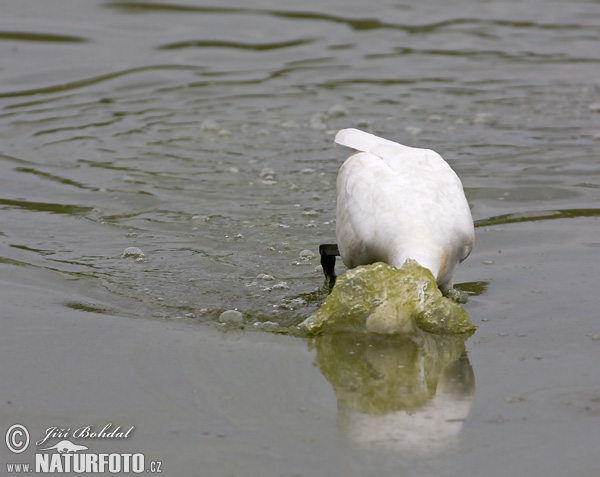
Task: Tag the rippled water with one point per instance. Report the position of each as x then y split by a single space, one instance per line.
202 132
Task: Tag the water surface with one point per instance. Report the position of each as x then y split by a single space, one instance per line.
202 133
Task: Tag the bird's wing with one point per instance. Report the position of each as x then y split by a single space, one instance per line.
359 206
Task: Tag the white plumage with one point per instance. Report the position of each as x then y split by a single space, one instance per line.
396 202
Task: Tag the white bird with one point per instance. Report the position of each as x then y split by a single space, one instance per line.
396 202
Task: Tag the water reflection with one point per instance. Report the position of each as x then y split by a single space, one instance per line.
402 393
473 288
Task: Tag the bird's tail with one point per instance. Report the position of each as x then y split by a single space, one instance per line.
360 140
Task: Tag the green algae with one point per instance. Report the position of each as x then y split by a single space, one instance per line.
381 299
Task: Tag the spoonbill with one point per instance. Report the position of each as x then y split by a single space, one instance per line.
396 203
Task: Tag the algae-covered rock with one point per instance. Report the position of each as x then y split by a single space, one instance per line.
381 299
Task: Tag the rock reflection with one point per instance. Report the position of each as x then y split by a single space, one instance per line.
404 393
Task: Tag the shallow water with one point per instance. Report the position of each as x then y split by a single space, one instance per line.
202 134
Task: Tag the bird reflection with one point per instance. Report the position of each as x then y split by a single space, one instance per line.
411 393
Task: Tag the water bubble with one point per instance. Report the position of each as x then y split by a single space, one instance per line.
307 255
270 326
322 117
291 125
414 130
484 118
280 286
310 213
317 122
317 125
267 173
337 111
515 399
134 253
231 317
594 107
210 125
265 277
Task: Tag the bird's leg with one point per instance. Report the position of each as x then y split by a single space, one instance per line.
328 253
456 295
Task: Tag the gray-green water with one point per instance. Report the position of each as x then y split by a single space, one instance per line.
202 133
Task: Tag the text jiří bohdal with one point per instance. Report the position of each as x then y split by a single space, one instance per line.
86 432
